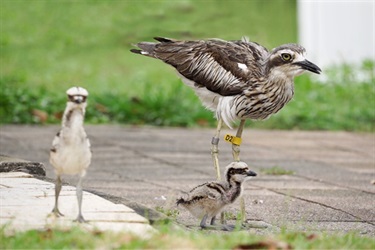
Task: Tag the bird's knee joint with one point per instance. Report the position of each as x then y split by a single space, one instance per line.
215 141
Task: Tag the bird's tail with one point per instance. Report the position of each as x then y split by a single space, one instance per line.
148 48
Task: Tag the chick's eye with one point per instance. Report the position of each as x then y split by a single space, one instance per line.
286 57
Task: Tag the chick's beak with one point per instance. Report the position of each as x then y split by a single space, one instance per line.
307 65
251 173
78 99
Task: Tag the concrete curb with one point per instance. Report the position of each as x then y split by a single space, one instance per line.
20 191
10 164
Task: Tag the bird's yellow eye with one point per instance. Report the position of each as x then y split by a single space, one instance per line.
286 57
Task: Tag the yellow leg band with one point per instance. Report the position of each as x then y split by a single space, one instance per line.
233 139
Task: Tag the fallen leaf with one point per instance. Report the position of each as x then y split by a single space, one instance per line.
269 245
202 122
311 236
101 108
40 114
58 115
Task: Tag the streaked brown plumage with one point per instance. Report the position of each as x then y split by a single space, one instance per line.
235 79
238 80
207 200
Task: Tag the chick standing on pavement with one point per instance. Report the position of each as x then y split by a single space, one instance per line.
207 200
70 153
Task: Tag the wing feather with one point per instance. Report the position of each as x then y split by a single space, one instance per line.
226 68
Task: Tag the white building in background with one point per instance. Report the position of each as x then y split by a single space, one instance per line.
334 31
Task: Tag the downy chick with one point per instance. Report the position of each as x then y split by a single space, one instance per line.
207 200
70 153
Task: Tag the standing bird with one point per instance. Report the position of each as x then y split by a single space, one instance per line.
207 200
238 80
70 153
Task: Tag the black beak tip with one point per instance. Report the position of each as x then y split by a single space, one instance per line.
317 71
251 173
307 65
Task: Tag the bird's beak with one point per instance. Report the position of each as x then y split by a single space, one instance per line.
307 65
251 173
78 99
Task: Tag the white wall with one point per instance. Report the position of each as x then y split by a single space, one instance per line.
335 31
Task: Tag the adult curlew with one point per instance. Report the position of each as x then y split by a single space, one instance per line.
237 80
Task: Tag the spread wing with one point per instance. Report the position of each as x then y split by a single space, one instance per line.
222 67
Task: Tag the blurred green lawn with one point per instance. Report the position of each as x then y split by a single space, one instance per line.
49 46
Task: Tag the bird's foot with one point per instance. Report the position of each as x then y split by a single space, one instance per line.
220 227
80 219
236 227
57 212
228 228
211 227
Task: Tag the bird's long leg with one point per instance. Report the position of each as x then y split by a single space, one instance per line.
55 209
215 149
236 157
80 218
213 220
235 147
203 222
215 156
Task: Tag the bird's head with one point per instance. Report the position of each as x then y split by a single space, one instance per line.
289 60
77 95
238 172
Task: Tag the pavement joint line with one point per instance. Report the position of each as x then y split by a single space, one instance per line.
321 204
155 184
160 160
349 221
345 149
333 184
157 159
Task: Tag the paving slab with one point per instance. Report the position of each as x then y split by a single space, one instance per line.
26 203
331 188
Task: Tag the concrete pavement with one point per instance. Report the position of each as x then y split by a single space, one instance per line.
331 188
26 203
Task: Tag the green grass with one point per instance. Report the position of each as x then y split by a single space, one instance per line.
172 238
172 213
55 44
276 170
48 46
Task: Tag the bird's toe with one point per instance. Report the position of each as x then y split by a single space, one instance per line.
228 227
57 212
80 219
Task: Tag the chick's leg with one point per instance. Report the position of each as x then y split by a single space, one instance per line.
203 222
80 218
58 185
